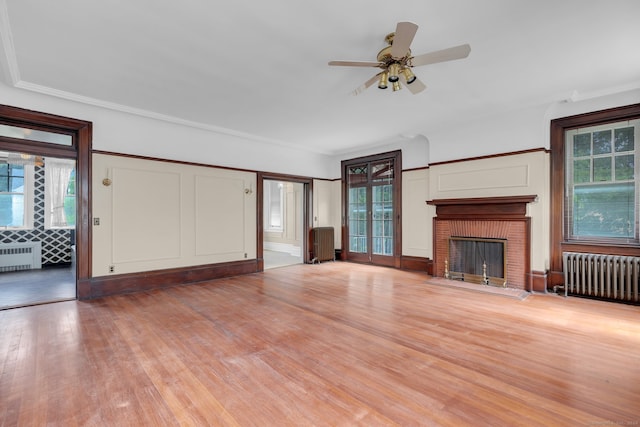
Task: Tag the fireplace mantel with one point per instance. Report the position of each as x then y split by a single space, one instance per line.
483 207
486 217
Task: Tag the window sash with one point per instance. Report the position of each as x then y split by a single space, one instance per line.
20 201
601 189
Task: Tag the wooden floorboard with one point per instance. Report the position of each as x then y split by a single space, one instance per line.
329 344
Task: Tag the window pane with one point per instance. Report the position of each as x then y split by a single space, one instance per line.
35 135
602 169
16 184
582 145
582 171
11 210
382 171
357 175
624 139
604 210
602 142
70 209
624 167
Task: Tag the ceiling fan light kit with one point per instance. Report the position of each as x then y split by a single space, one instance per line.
396 60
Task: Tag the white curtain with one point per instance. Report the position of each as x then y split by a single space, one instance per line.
57 174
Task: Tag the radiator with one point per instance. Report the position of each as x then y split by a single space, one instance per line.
610 277
20 256
322 244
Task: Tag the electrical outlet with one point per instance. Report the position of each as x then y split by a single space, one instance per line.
96 221
112 269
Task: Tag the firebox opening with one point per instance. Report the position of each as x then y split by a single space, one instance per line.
477 260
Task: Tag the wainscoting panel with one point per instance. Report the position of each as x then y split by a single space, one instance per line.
152 215
490 178
151 230
218 201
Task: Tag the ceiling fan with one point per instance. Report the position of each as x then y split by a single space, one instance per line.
396 60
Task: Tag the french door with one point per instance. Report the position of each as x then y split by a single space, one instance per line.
371 209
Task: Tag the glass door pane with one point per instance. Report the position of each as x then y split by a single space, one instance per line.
358 209
382 220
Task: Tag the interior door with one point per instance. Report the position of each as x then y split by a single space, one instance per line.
372 210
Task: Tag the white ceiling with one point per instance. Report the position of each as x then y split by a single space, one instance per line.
259 68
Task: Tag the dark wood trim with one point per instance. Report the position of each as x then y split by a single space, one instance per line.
394 261
97 287
511 153
506 207
538 281
81 132
419 168
558 240
415 263
178 162
307 211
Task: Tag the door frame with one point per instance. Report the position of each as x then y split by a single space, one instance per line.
306 212
80 150
396 258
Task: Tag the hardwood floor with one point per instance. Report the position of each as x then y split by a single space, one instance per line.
330 344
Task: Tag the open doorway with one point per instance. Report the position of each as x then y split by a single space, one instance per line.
37 229
283 223
33 142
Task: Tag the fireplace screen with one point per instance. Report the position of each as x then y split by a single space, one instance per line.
477 260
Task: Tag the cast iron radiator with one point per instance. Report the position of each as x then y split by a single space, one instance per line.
610 277
322 244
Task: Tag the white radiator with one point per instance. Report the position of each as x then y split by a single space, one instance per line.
20 256
601 276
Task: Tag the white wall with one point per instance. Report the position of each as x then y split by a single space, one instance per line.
119 132
156 215
417 216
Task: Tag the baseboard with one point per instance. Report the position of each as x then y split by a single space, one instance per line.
539 281
416 264
97 287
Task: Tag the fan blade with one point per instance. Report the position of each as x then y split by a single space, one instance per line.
405 32
457 52
366 85
415 86
355 63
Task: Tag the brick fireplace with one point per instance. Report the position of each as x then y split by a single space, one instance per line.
486 218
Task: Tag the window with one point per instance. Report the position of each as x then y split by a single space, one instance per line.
274 206
575 223
601 187
60 193
16 193
35 135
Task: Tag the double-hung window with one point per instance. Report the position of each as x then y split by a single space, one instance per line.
601 182
16 194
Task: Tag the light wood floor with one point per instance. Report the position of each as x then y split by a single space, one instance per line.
332 344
